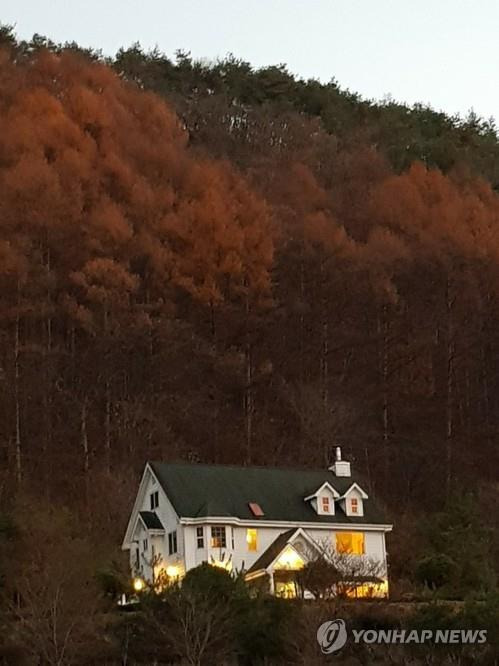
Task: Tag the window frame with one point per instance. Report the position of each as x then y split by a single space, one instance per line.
218 539
200 537
251 542
325 504
154 500
358 537
172 542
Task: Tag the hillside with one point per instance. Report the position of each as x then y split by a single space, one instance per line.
230 265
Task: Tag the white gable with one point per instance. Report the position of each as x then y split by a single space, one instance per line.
149 485
323 499
352 501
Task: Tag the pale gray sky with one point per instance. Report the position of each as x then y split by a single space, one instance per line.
442 52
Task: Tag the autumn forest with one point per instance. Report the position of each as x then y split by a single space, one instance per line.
211 262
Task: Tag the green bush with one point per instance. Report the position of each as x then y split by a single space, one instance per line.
112 582
213 582
435 571
263 629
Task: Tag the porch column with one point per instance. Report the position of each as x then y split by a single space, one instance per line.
272 586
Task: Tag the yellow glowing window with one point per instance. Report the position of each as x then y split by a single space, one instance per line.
350 543
285 590
354 505
289 559
252 539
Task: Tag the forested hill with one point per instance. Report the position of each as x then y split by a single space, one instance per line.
217 263
269 95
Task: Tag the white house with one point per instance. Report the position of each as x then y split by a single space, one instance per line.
265 521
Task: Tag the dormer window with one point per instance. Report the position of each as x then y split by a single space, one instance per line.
323 500
352 502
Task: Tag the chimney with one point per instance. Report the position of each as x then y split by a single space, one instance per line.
340 467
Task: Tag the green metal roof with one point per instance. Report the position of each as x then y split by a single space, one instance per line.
225 491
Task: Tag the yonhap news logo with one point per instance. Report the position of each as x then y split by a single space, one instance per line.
333 635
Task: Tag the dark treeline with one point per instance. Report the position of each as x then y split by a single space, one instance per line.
212 262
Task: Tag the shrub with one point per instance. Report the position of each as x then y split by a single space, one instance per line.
435 571
263 629
213 583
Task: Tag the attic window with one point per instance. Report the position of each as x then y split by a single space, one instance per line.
354 505
256 509
154 500
325 504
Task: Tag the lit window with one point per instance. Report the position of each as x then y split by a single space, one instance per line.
285 590
200 537
351 543
354 505
218 539
172 543
325 504
252 539
154 500
289 559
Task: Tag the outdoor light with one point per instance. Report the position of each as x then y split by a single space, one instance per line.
223 565
172 571
138 584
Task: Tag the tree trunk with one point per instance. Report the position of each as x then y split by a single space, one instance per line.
85 448
449 409
248 390
18 442
248 402
326 445
215 412
107 428
383 334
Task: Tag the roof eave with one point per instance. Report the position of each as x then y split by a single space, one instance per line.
186 520
127 543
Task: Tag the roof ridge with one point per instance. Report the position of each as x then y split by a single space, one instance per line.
279 468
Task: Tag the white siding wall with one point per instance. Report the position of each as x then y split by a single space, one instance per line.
242 557
375 547
169 520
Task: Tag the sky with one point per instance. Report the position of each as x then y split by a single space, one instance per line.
439 52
